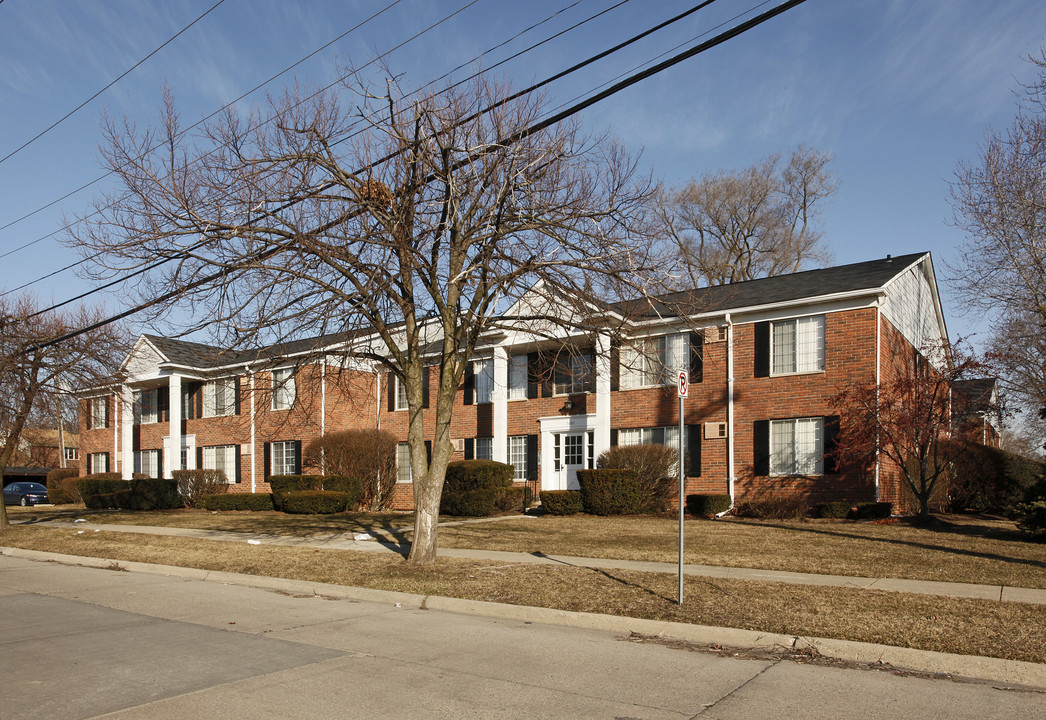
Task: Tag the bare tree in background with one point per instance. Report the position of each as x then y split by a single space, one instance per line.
755 222
1000 203
406 223
30 373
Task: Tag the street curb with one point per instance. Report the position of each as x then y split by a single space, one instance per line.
972 667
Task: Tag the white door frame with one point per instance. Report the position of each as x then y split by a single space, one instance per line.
554 425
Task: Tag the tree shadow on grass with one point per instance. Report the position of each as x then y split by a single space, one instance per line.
938 526
607 575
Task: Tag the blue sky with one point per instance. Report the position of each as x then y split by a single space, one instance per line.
897 91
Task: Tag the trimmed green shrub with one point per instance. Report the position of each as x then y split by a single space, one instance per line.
873 510
655 469
772 505
283 484
103 490
478 488
989 479
61 486
706 505
611 492
369 455
314 502
561 502
237 501
477 475
352 487
470 503
153 494
107 490
194 484
838 509
1032 518
511 499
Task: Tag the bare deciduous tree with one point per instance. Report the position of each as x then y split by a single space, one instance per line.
1000 203
30 374
407 223
755 222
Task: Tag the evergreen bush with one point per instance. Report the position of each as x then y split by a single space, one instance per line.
611 492
707 505
561 502
314 502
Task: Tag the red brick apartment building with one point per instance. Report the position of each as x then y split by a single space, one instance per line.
764 357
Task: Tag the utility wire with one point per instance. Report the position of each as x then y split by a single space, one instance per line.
516 137
124 74
260 85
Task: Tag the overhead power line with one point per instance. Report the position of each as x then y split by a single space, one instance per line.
537 127
120 77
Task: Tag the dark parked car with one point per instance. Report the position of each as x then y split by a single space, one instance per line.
25 493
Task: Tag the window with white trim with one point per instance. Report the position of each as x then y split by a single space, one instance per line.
400 393
484 374
283 457
403 474
99 414
147 462
575 374
485 448
517 456
219 396
223 457
98 462
797 446
146 407
283 389
797 345
654 361
649 436
517 377
72 454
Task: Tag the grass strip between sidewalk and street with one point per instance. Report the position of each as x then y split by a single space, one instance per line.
970 627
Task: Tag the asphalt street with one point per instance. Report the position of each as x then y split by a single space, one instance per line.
79 642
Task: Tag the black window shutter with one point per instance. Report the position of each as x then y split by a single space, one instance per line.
470 452
761 447
89 463
762 350
159 464
428 451
613 437
107 417
239 465
470 384
236 396
693 449
199 458
532 457
108 466
198 393
697 357
831 440
532 376
267 470
297 457
425 387
390 391
615 365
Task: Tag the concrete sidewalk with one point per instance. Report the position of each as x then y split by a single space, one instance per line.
341 541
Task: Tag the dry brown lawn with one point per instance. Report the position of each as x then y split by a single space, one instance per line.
972 627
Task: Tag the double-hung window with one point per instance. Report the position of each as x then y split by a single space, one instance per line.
797 345
484 373
98 462
654 361
649 436
517 456
485 448
797 446
72 454
517 377
147 462
284 458
146 407
283 390
99 414
575 374
223 457
219 396
403 474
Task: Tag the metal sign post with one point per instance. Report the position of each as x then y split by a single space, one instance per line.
684 390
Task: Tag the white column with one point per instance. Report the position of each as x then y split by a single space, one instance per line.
254 455
174 416
125 404
602 436
499 445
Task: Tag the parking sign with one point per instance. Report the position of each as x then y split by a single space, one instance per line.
684 383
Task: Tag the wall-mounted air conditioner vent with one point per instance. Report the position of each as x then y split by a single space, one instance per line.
715 334
715 430
459 444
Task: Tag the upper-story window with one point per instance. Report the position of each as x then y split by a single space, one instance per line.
219 397
283 388
99 412
146 407
654 361
517 377
484 372
575 374
797 345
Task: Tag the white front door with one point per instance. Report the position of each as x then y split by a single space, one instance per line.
571 451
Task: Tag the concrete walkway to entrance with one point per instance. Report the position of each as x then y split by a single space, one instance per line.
341 541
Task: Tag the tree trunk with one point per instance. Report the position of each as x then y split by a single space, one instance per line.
426 523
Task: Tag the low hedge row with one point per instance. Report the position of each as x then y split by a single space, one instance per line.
237 501
283 486
606 491
853 511
479 488
106 490
561 502
314 502
707 505
61 486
